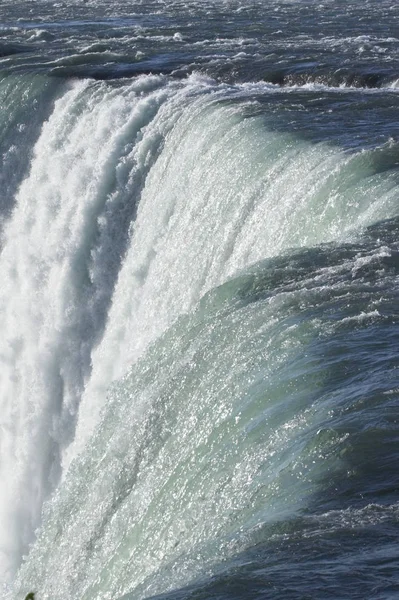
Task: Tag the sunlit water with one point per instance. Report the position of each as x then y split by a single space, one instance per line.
199 290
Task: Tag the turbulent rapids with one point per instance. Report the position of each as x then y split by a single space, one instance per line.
198 308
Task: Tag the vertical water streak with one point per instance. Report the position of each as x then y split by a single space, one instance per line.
57 274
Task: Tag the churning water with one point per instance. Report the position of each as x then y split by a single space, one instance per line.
199 219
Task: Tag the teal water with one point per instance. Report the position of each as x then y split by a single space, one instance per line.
199 266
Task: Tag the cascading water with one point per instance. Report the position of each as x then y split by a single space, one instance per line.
199 281
58 269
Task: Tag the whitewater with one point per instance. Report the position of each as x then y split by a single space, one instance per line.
199 300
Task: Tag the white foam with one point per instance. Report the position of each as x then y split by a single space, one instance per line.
53 287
